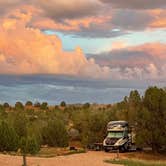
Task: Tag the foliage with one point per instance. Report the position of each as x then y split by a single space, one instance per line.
151 119
127 162
44 106
19 106
55 134
91 126
28 103
20 124
29 145
8 138
37 104
6 105
63 104
86 105
84 122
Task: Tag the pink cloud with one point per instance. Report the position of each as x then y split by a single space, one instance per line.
147 61
68 24
159 20
25 50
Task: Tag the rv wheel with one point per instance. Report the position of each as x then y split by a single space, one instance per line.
122 149
106 150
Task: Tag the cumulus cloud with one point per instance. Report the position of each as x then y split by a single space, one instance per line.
118 45
87 18
131 20
6 5
146 61
159 20
25 50
136 4
112 24
62 9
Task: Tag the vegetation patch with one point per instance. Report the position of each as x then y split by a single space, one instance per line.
146 155
26 128
127 162
53 152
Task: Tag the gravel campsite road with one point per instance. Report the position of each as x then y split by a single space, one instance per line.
91 158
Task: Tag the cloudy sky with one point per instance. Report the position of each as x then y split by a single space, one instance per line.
80 50
88 39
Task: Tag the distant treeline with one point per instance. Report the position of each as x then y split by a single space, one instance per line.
28 127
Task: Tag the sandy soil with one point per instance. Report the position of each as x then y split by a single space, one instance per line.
84 159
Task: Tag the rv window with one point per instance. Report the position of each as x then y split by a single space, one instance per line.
115 134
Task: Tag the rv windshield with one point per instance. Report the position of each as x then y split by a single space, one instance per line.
115 134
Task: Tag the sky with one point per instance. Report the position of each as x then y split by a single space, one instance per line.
99 40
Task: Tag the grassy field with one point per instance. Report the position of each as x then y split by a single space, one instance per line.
127 162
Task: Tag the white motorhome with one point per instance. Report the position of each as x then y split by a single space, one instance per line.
119 136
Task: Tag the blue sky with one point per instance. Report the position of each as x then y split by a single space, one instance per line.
96 45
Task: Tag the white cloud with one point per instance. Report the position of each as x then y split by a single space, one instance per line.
27 50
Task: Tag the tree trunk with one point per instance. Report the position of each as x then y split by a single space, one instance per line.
24 160
155 148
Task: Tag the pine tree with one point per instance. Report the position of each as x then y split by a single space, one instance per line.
151 119
8 138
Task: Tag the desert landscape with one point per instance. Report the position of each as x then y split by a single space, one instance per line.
82 82
83 159
90 158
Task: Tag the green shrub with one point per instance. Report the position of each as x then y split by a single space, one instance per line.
55 134
8 138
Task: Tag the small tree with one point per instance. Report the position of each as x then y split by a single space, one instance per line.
19 106
86 105
63 104
20 124
28 103
44 106
55 134
1 108
2 111
28 145
91 126
151 119
6 105
8 138
37 104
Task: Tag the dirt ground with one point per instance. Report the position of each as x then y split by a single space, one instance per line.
91 158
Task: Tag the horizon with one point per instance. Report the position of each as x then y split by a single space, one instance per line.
54 89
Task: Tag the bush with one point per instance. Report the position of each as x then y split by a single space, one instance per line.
135 163
63 104
86 105
20 124
91 126
19 106
6 105
37 104
28 103
29 145
8 138
44 106
55 134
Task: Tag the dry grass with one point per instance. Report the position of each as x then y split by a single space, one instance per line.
127 162
147 155
53 152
